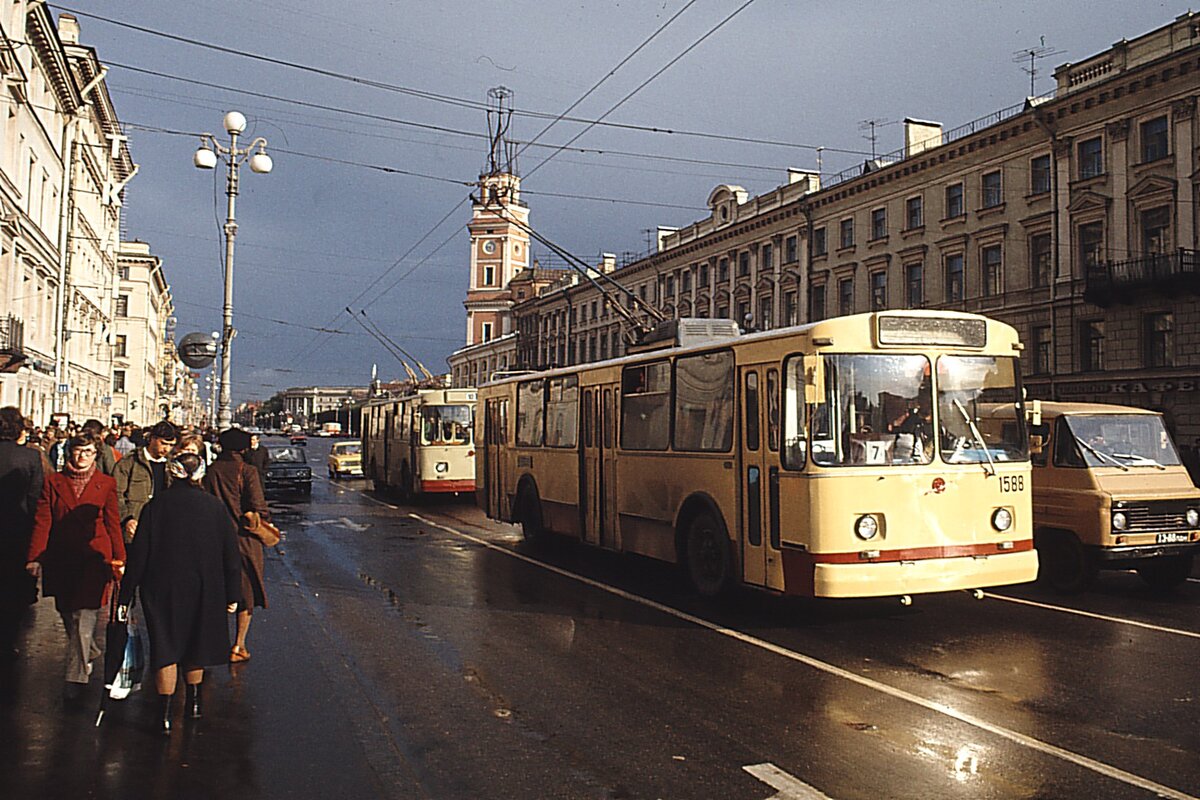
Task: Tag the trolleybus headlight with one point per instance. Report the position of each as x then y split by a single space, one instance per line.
1193 518
1001 519
866 527
1119 522
442 466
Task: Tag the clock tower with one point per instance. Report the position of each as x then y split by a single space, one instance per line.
499 252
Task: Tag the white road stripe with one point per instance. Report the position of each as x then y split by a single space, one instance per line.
1091 764
1118 620
789 786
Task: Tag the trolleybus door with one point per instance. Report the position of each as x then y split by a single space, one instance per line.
753 465
608 466
591 495
493 472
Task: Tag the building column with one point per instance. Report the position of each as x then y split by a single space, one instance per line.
1118 167
1183 114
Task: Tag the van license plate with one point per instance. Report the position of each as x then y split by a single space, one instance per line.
1172 538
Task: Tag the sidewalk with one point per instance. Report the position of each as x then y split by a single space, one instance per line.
272 727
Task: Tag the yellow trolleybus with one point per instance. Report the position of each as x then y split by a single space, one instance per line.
881 454
420 444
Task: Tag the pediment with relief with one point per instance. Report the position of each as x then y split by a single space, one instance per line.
1151 185
1087 200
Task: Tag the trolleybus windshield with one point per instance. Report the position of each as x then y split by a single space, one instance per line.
444 425
980 413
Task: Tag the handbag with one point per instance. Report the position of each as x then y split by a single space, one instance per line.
261 529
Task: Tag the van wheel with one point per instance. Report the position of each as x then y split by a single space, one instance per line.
1166 572
405 488
708 560
1063 563
529 514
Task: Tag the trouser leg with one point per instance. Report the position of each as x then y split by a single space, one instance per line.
78 650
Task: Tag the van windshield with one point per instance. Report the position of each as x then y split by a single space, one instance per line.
1128 440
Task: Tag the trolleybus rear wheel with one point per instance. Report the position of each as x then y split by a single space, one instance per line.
1166 572
529 514
709 562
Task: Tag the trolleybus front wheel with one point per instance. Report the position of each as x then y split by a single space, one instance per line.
708 560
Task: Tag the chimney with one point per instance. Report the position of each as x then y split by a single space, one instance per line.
811 177
608 262
68 29
665 233
920 135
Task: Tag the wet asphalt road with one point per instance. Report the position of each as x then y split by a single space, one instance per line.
423 652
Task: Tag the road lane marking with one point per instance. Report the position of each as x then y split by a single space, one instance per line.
789 786
1094 615
1091 764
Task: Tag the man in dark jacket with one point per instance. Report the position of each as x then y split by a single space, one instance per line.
256 456
21 480
143 474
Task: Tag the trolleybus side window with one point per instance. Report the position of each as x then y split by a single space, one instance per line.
530 413
646 406
608 419
795 436
773 410
704 402
752 432
562 411
877 410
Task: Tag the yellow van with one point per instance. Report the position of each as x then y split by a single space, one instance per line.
1110 492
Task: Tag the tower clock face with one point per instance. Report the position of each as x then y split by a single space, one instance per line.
489 247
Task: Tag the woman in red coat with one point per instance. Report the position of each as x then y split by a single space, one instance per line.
77 550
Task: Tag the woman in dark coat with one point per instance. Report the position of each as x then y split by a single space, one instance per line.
185 561
236 484
77 549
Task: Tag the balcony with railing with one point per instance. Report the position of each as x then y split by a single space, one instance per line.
1165 273
12 343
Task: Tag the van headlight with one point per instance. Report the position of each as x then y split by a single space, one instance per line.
1002 519
866 527
1119 521
1193 518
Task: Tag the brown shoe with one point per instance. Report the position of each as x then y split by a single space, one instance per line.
238 654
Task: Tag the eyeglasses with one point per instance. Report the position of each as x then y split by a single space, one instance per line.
90 451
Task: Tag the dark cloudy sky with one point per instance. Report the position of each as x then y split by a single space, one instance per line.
317 232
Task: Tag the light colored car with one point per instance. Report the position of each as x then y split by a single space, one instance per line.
345 459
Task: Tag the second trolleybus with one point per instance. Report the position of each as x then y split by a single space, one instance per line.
420 444
881 454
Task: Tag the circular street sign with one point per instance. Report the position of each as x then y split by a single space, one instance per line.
197 350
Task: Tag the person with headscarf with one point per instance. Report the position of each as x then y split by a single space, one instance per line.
186 563
77 550
235 483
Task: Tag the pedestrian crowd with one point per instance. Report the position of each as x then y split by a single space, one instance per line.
157 520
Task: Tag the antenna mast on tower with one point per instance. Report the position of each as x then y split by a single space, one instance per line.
502 156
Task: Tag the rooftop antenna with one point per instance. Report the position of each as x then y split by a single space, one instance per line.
870 125
502 157
1034 54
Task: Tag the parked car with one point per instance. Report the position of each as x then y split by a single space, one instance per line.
287 472
298 438
1110 492
345 459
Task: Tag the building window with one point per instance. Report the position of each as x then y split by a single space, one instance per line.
1091 345
816 303
670 281
914 216
954 201
703 276
879 224
914 285
879 290
790 309
123 273
685 280
122 309
744 317
1160 339
487 331
743 264
489 276
846 296
1041 350
765 317
1154 139
723 271
1091 245
819 246
954 278
847 233
1091 158
594 317
722 312
991 261
1039 259
118 381
119 349
1039 175
1156 230
993 192
766 261
790 251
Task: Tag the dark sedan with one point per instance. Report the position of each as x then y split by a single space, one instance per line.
288 472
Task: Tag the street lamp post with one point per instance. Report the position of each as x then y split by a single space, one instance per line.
206 157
